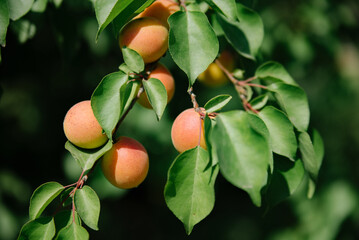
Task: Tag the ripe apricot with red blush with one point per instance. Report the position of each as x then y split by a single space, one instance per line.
186 130
82 128
147 36
126 164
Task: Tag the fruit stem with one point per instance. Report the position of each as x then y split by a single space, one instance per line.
182 3
256 85
199 110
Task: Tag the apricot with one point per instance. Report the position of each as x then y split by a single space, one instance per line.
213 76
186 129
162 74
161 10
126 164
147 36
82 128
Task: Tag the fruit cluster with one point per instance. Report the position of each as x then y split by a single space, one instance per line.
126 164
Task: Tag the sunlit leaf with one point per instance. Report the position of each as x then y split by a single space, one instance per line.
225 7
42 197
107 10
133 60
156 94
192 42
259 102
86 158
41 228
217 103
88 206
308 155
128 93
245 36
106 101
19 8
274 72
294 102
244 153
73 232
189 191
283 139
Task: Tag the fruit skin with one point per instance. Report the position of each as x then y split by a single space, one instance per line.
161 10
185 130
82 128
162 74
126 164
213 76
147 36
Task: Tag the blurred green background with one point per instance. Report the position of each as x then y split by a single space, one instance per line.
51 62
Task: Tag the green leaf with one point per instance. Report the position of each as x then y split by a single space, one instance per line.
251 24
65 218
283 139
124 68
39 6
274 72
217 103
133 60
318 145
309 157
189 191
245 36
73 232
129 14
294 102
156 94
259 102
244 152
311 188
208 128
4 21
38 229
88 206
128 93
123 10
258 125
86 158
225 7
192 42
65 197
106 101
42 197
286 178
19 8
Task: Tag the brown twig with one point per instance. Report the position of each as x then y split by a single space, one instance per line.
256 85
239 85
228 74
199 110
